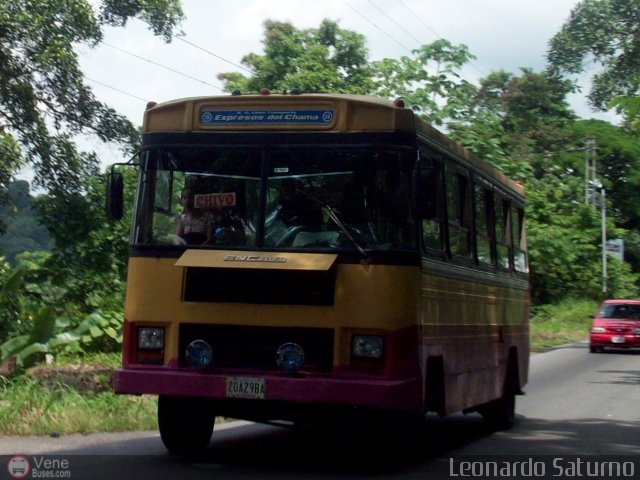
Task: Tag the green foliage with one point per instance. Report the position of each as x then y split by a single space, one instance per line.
11 161
42 409
565 244
630 108
323 59
606 32
161 15
44 101
430 81
50 332
618 155
566 321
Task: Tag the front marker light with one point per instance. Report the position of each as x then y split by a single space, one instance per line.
151 338
598 330
367 346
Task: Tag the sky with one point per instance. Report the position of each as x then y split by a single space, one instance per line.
131 66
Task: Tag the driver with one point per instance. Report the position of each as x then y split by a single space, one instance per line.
296 208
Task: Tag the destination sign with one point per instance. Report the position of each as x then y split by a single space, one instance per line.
266 117
213 200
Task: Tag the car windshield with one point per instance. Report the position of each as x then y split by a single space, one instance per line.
619 311
294 199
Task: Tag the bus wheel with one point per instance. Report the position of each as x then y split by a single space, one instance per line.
500 414
185 423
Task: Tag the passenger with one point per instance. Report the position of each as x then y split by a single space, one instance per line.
193 223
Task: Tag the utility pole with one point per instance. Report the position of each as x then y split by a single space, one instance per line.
590 180
591 187
604 241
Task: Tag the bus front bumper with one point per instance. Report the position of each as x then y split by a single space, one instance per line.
400 394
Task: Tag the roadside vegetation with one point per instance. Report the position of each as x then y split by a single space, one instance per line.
565 322
30 407
63 266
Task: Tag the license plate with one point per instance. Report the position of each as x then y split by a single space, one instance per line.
618 340
246 387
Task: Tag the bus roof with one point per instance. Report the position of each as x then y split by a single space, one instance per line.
331 113
307 112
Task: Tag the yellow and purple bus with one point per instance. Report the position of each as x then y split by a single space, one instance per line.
342 256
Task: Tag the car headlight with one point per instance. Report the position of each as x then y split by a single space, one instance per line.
598 330
151 338
636 331
367 346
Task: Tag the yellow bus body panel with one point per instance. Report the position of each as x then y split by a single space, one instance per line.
368 299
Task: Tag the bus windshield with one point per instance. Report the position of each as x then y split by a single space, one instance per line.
327 199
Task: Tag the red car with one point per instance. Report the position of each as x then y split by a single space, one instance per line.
617 325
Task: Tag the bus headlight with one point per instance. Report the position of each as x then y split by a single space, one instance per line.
290 357
151 338
598 330
199 354
367 346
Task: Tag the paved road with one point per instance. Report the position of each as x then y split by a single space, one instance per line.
577 403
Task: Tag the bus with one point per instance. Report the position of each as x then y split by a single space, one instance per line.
301 257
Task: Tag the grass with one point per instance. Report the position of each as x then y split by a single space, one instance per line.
29 407
565 322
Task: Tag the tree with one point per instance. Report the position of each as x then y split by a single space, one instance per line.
604 32
565 241
430 82
618 166
44 101
323 59
513 121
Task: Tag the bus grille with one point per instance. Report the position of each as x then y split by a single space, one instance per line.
255 347
275 287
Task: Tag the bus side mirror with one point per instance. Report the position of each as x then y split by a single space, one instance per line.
115 196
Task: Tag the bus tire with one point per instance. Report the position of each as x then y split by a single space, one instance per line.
185 423
500 414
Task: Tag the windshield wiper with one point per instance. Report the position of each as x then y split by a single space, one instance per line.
343 229
334 217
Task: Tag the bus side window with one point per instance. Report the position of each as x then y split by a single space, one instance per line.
484 234
458 212
519 241
503 232
432 208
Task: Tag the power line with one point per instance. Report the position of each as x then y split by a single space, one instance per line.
212 54
420 20
379 28
403 29
420 42
162 66
437 35
177 37
116 89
